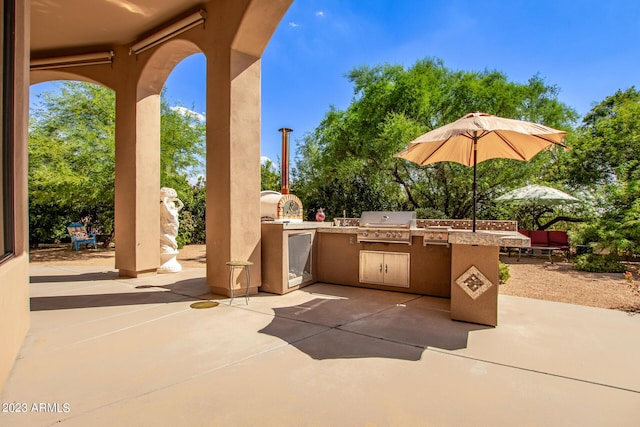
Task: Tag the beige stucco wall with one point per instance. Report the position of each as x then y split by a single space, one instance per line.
14 273
14 311
233 38
236 33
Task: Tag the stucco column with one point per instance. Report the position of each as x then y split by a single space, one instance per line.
137 183
233 169
474 283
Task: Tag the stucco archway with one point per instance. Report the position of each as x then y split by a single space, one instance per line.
70 151
138 158
43 76
160 65
234 28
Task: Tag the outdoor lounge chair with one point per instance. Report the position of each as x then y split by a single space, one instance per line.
559 239
546 241
79 235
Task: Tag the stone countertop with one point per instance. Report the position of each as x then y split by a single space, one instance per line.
305 225
489 238
340 230
462 237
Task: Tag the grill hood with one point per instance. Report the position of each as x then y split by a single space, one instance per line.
388 219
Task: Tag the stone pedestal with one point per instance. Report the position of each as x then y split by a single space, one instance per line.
169 263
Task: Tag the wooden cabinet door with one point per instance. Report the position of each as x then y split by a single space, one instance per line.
384 268
396 269
371 267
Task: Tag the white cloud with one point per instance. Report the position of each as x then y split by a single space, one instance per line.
265 159
320 13
188 113
293 24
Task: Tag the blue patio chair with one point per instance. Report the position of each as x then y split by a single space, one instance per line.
79 236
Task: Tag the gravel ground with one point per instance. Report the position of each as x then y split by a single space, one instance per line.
534 277
531 277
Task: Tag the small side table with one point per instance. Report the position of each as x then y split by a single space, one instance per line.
241 265
549 250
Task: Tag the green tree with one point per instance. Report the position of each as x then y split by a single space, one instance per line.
347 163
71 157
182 142
71 167
269 176
605 166
197 208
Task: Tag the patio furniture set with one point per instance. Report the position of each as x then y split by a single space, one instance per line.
543 241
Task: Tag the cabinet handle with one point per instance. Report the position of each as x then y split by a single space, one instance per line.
380 268
385 268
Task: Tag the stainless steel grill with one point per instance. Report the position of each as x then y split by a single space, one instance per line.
386 227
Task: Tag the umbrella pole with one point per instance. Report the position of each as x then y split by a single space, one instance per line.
475 156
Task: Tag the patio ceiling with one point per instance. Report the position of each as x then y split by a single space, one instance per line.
78 26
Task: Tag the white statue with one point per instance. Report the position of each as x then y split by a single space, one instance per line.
170 205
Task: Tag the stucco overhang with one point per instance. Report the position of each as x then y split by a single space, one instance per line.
72 26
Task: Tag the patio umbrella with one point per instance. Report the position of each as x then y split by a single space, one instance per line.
477 137
538 194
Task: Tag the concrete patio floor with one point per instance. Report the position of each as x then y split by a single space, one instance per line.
107 351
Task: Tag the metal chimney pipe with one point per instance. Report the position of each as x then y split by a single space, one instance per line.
284 170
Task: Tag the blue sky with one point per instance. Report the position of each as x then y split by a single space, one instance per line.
589 49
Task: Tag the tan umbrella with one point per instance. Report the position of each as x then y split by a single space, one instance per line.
477 137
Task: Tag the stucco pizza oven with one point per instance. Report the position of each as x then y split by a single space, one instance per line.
280 207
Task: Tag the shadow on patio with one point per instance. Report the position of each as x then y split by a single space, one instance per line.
402 331
194 289
73 277
134 349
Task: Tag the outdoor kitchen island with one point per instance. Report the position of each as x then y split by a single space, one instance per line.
433 261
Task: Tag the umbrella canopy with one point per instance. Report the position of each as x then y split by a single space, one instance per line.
538 194
477 137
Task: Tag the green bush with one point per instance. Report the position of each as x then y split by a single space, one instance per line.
185 230
198 210
595 263
429 213
503 272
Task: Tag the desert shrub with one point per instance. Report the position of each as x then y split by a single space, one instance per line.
186 228
197 208
595 263
503 272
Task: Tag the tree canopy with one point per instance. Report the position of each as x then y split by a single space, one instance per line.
269 176
605 165
347 163
72 157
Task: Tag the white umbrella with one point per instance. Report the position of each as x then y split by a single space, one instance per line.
538 194
477 137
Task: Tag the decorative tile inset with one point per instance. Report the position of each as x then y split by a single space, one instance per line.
473 282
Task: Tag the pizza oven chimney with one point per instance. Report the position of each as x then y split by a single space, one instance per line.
284 170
